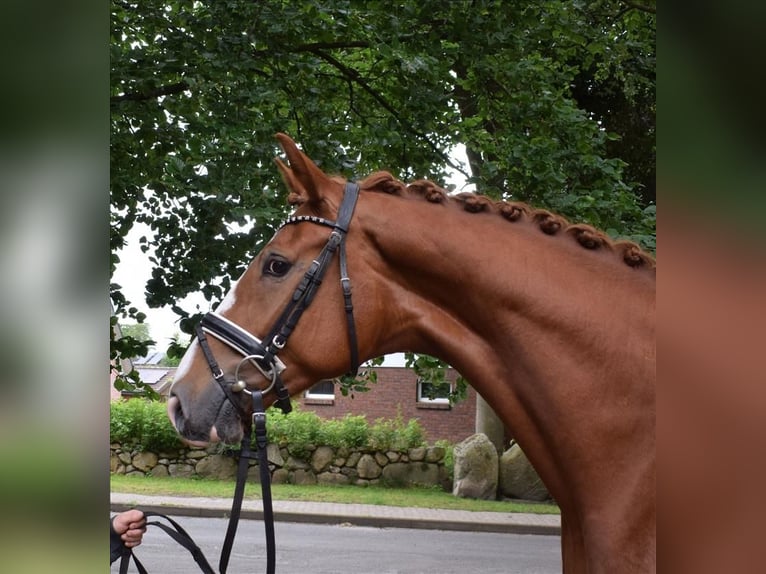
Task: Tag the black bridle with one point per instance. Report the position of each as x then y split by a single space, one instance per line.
263 355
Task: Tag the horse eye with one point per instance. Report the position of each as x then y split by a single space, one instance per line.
276 267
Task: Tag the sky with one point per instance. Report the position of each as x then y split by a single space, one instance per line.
132 273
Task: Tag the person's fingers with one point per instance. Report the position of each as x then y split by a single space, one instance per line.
129 519
134 515
134 533
131 541
138 525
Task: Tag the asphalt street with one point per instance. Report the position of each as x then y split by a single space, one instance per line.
336 549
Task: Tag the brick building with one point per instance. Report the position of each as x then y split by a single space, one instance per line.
398 391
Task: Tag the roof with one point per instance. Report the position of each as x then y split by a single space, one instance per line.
151 358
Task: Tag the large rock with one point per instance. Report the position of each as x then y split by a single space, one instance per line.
216 466
435 453
280 476
115 466
159 471
476 468
417 454
274 455
332 478
181 470
294 463
367 467
518 478
303 477
145 461
322 458
409 474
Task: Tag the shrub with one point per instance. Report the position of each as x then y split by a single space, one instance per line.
298 431
349 432
395 434
142 424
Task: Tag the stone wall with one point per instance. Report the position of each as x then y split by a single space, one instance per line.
319 465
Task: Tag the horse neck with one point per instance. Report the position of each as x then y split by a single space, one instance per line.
537 324
454 274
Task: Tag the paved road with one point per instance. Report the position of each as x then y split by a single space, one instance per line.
334 549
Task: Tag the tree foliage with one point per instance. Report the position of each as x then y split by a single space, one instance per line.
554 101
139 331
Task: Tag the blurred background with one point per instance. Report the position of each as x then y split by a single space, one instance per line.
54 273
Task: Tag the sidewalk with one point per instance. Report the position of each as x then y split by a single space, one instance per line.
356 514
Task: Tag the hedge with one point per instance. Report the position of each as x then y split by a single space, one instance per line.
145 425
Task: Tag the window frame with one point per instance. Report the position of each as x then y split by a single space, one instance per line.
423 399
308 394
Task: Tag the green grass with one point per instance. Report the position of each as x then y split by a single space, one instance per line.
411 497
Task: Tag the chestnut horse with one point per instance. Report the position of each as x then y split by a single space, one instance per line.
552 323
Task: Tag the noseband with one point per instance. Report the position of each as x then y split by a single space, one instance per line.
263 354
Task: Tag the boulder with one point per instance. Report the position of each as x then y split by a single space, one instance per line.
294 463
476 468
435 453
304 477
197 453
321 458
332 478
353 459
367 467
409 474
280 476
518 478
115 466
274 455
159 471
417 454
216 466
181 470
145 461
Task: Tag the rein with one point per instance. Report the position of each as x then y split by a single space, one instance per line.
263 355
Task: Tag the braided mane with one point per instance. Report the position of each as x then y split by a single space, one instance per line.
514 211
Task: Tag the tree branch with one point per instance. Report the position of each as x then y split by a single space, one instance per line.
356 77
331 46
151 94
642 7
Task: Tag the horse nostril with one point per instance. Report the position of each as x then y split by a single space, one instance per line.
174 411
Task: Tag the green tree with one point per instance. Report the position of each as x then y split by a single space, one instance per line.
554 101
138 331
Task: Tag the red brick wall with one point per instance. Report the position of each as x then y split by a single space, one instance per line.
396 392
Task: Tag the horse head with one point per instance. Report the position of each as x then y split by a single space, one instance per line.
253 322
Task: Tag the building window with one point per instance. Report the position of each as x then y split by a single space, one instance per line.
322 390
433 393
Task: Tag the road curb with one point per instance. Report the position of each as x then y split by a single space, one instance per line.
356 515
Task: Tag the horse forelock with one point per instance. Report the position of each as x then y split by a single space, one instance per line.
548 222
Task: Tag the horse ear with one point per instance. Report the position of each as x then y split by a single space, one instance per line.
302 177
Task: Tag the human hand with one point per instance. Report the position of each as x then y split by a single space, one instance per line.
130 525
